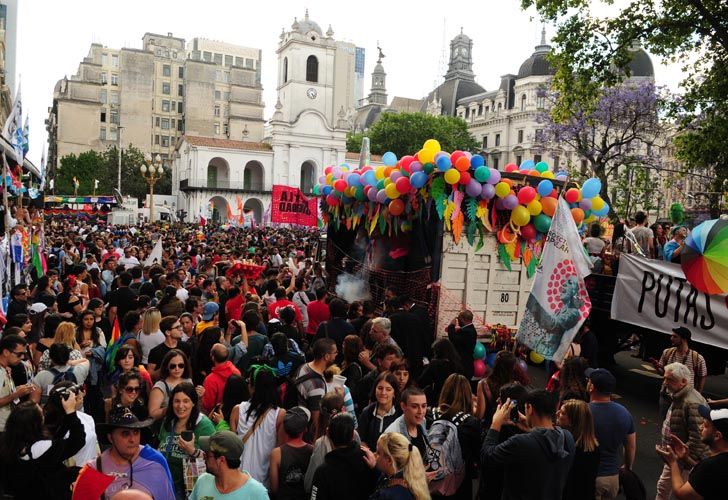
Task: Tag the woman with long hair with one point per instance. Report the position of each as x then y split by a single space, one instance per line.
65 334
403 473
236 390
180 434
151 336
489 388
382 412
93 346
88 335
174 371
259 422
456 406
572 382
69 300
445 360
576 416
332 404
130 393
350 366
96 306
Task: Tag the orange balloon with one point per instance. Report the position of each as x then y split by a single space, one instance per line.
462 163
396 207
534 173
548 206
388 171
508 181
578 215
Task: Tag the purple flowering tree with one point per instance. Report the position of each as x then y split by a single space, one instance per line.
620 137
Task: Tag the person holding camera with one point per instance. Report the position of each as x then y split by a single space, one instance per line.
32 463
60 370
53 411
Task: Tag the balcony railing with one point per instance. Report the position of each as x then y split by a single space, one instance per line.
221 185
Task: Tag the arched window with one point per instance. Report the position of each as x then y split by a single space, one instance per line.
285 69
312 69
523 102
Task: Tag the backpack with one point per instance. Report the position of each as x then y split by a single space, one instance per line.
446 456
59 376
288 389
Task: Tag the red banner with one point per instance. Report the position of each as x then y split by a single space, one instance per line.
290 206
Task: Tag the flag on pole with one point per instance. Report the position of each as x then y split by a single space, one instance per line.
558 303
26 133
202 219
113 345
36 260
43 170
156 256
241 216
230 216
76 183
13 128
96 184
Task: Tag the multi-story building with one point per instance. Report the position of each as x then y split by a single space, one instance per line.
149 97
8 35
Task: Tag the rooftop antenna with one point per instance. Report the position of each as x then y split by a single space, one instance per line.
441 61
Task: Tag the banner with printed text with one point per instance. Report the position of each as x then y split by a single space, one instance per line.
655 294
289 205
558 303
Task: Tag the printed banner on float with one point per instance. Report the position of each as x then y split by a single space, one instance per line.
558 303
656 295
289 205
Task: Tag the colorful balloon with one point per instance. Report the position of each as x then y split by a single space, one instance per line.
510 202
597 203
545 187
396 207
585 204
502 189
527 165
389 159
332 200
326 190
488 192
528 232
340 185
511 167
381 196
479 351
479 368
452 176
403 185
591 187
462 163
482 173
542 223
415 166
526 194
520 215
495 176
391 191
578 215
432 145
418 179
473 188
406 161
536 358
354 179
477 161
534 207
465 178
572 195
426 155
542 166
443 163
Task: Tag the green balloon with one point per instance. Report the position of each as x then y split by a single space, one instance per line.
380 184
482 173
316 189
428 167
542 223
542 166
359 194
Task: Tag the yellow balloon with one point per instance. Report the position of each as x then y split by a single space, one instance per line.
501 189
452 176
580 196
548 174
379 173
426 155
590 219
520 216
536 357
432 145
597 203
534 207
387 182
391 190
329 178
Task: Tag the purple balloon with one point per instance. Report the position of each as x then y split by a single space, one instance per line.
585 204
415 166
396 174
322 180
468 154
381 196
510 202
439 154
488 192
336 171
495 177
372 194
473 188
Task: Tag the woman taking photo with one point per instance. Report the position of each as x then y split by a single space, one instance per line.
259 422
175 370
54 413
489 388
379 415
179 437
575 416
27 454
403 473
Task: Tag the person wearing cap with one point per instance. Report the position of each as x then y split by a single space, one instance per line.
289 462
614 427
683 421
209 317
706 480
680 352
224 480
132 465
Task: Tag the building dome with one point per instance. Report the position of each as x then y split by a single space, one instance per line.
306 26
641 64
537 64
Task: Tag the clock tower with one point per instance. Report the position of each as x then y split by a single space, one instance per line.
316 91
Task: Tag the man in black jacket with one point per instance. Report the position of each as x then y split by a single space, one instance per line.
537 463
409 333
462 334
344 473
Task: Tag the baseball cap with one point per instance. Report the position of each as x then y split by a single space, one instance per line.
296 420
37 308
719 418
224 443
602 380
209 311
682 332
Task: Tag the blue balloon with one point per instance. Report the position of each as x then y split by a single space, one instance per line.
326 190
354 180
527 165
389 159
477 161
443 163
490 359
545 187
591 188
418 179
370 177
603 212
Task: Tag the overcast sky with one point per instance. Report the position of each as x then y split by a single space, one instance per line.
53 37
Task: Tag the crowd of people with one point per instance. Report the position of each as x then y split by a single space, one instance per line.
185 377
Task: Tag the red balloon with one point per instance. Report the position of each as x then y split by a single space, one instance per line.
327 170
416 157
403 185
340 185
396 207
465 178
462 163
572 195
405 162
526 195
554 194
332 200
511 167
455 155
528 232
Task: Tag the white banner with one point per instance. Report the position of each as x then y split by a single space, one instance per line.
156 256
655 294
558 303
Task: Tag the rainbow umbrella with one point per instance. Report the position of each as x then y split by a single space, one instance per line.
705 257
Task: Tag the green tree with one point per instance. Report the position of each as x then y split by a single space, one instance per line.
85 167
132 182
592 52
405 133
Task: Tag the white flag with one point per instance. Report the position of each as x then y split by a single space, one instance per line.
156 256
558 303
96 183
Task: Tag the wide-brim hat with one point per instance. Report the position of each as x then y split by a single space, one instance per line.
122 418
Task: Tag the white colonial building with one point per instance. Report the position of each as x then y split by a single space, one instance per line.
316 91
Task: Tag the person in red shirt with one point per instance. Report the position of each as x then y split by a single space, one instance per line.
281 302
318 311
234 304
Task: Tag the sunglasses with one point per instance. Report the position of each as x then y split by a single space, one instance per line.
172 366
132 390
20 354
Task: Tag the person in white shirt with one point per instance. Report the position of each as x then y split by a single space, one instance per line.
129 260
60 354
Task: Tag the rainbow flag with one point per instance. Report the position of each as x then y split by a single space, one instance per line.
113 345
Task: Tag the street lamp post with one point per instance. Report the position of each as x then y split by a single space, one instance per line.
119 128
152 172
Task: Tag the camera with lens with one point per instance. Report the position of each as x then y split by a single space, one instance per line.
65 391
